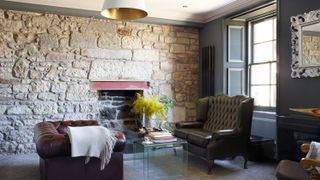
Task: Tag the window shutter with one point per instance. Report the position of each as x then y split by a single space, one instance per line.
236 58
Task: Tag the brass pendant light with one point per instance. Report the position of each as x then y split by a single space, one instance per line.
124 9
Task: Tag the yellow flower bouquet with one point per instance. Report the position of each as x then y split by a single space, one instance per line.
149 107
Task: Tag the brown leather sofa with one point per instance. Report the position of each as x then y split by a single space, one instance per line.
222 128
56 163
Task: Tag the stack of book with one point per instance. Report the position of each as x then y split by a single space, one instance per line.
161 137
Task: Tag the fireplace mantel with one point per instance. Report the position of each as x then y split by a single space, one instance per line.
119 85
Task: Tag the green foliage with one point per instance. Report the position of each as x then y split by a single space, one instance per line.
167 101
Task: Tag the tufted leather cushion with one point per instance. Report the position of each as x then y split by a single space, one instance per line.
52 140
223 112
196 136
200 137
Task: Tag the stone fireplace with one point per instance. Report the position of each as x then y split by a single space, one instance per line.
116 102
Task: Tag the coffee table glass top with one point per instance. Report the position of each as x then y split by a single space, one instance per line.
179 142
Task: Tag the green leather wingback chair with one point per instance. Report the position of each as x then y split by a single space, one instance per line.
222 128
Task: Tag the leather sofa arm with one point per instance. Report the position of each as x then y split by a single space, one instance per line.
121 142
189 124
225 133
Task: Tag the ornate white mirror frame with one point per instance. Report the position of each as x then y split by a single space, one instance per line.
303 66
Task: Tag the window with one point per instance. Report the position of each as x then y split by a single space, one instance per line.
262 64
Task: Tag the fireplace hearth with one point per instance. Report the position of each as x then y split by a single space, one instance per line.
116 108
116 102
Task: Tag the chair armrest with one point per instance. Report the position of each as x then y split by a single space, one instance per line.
307 162
225 133
189 124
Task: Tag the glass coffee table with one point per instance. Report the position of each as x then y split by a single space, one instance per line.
161 160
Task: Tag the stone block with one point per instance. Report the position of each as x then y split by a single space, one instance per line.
194 41
75 116
166 89
41 21
115 70
184 67
11 25
166 66
20 88
75 73
88 108
20 68
66 107
179 114
3 109
83 40
180 97
148 36
32 96
169 39
146 55
48 41
194 48
56 56
107 54
2 50
109 41
81 64
158 75
77 92
106 70
177 48
131 42
45 108
157 29
33 74
19 110
40 86
136 71
124 31
99 26
48 96
5 90
188 35
183 40
21 96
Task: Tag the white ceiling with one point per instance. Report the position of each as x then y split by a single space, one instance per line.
197 11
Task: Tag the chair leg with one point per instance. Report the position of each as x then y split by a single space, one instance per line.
245 162
210 166
175 151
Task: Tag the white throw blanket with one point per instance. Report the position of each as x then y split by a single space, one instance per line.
92 141
314 152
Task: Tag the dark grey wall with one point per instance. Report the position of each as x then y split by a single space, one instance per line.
293 92
212 34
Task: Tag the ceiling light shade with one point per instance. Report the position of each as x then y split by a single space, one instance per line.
124 9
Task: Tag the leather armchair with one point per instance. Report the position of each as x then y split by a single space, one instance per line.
54 148
222 128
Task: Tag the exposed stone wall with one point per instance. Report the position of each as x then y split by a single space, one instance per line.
48 60
311 50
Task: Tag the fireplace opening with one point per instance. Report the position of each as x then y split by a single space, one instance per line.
116 108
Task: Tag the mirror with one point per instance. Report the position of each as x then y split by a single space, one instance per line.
305 39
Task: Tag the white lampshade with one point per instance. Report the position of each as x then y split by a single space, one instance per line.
124 9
